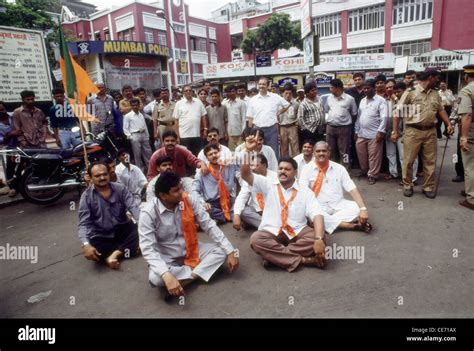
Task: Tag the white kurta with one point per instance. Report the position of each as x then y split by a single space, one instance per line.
331 197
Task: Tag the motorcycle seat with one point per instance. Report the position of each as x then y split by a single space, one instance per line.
66 153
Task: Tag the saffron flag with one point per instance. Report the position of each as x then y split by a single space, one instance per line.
77 83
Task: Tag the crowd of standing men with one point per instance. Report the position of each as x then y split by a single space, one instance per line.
249 168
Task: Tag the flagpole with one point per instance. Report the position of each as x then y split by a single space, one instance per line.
81 127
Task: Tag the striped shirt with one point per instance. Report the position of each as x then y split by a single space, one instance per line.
310 115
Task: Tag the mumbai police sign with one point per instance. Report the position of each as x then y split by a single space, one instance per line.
440 59
117 47
331 63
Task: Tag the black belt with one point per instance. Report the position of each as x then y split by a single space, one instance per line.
168 124
420 127
339 126
66 129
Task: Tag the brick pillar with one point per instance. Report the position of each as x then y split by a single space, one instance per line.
344 30
437 15
388 25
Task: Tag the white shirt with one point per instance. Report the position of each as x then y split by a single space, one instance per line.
248 197
301 163
189 116
148 109
263 109
134 123
336 180
269 154
303 207
133 179
246 100
225 154
236 116
372 117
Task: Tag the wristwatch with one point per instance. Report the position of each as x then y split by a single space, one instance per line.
318 238
86 243
363 208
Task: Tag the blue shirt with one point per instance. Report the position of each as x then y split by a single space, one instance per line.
205 188
4 130
62 116
118 121
99 217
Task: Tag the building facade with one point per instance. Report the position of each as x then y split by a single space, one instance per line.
152 44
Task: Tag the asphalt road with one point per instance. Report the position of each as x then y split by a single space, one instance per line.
418 263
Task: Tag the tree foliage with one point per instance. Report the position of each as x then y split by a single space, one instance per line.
278 32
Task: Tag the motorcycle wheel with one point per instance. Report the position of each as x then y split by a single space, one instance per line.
40 197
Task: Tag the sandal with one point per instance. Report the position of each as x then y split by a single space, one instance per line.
371 180
389 177
367 227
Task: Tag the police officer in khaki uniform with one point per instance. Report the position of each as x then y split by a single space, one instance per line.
162 115
465 111
419 108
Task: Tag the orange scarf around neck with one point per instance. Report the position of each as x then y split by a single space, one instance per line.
224 198
318 183
284 210
189 229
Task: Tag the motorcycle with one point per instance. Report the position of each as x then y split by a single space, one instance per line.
47 173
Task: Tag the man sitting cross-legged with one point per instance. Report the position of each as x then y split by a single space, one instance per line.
169 241
328 180
216 189
249 204
105 229
283 237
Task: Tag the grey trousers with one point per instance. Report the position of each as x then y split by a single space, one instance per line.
250 216
212 257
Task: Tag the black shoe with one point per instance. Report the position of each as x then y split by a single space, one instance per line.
429 194
458 179
463 193
408 192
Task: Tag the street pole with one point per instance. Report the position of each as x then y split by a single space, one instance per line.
254 64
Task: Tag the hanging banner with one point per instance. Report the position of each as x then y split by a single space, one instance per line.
356 62
305 6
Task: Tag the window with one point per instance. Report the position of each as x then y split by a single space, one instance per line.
126 36
180 54
367 18
97 35
149 36
162 38
367 50
197 68
178 28
332 53
106 34
198 44
183 79
408 11
411 48
328 25
213 47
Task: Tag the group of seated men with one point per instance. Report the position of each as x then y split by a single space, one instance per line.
291 208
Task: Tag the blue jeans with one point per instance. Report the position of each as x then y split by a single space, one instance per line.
69 139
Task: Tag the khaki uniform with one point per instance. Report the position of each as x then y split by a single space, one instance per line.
418 109
163 116
125 107
467 106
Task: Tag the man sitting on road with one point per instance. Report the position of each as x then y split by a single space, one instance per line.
169 241
216 189
249 204
105 229
283 237
328 180
263 149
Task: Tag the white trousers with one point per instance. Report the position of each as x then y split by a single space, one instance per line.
250 216
392 157
335 213
212 257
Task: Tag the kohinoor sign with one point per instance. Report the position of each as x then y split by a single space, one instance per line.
356 62
243 69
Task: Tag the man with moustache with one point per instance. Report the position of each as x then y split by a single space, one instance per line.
283 238
328 180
